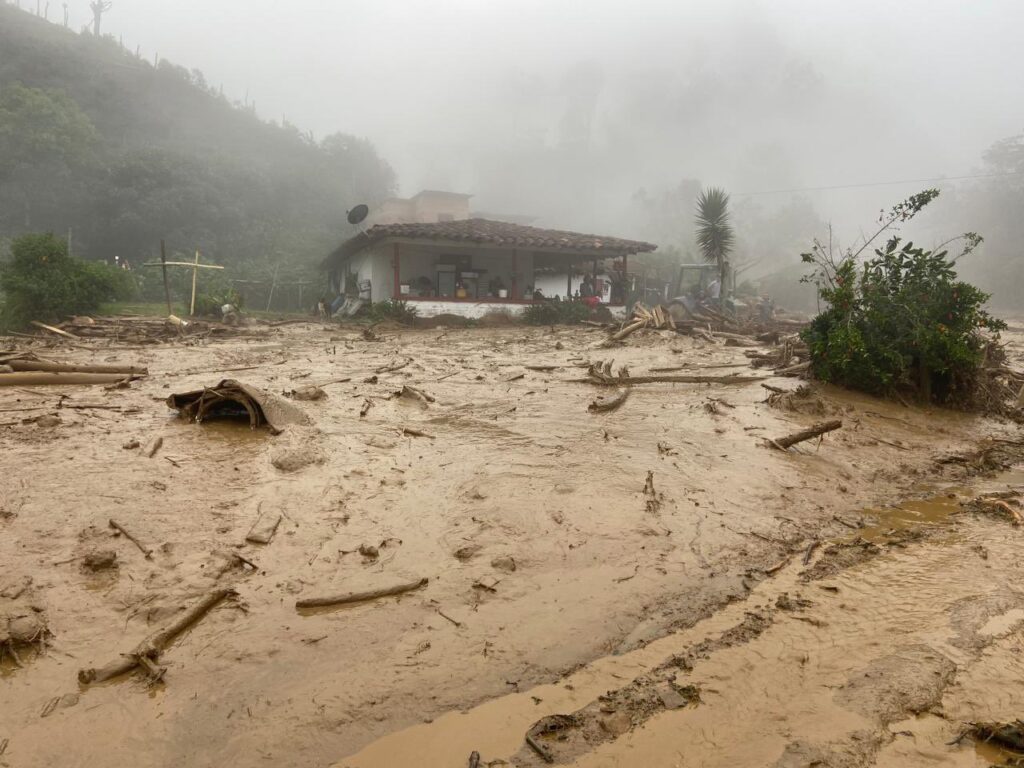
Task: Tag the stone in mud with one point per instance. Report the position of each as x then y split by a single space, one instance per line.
26 629
467 552
504 563
309 392
130 444
369 551
294 458
616 724
100 560
48 421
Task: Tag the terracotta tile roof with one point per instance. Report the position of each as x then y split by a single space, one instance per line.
492 233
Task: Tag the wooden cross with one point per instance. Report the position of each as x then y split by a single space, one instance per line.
194 265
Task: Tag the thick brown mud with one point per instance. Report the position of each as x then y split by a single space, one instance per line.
553 579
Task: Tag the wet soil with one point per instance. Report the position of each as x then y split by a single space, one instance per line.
557 576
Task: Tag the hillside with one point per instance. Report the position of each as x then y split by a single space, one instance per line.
124 152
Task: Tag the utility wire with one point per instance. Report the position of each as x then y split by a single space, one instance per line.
878 184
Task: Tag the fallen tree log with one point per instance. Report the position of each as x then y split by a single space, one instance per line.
600 373
155 644
23 364
359 597
38 378
782 443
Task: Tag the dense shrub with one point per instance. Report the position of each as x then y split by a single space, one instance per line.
556 312
900 320
394 311
42 282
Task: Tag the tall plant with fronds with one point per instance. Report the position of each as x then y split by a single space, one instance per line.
715 235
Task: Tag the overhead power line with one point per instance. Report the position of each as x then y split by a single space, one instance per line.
878 184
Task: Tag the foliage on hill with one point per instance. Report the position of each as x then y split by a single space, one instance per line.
123 153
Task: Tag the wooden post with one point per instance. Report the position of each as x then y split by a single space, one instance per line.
195 271
397 292
273 284
568 280
163 265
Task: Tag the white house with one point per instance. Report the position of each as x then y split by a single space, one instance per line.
471 266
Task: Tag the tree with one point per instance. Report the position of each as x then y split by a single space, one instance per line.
99 7
715 236
43 134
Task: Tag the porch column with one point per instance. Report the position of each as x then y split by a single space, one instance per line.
396 293
514 294
625 278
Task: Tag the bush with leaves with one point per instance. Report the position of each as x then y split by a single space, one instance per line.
556 313
900 320
394 311
42 282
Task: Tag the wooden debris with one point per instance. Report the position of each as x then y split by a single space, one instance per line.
365 409
155 644
124 531
392 367
782 443
51 329
415 393
540 749
653 502
264 528
152 447
474 760
412 432
359 597
600 373
25 364
45 378
601 404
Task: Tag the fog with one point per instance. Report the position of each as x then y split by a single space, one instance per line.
587 114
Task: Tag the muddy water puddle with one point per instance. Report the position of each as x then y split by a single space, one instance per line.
825 676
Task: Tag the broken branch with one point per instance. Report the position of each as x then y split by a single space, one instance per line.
358 597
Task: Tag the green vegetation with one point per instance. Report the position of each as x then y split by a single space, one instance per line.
556 313
123 152
715 235
900 320
42 282
393 311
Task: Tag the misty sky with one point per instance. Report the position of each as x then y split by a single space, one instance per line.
753 95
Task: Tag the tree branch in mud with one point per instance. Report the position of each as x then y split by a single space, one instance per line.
600 373
358 597
155 644
121 529
782 443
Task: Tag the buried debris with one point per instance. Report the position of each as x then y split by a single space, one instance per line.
146 653
359 597
233 399
782 443
602 404
20 362
996 507
263 530
1007 735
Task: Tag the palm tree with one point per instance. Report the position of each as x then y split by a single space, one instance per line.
715 235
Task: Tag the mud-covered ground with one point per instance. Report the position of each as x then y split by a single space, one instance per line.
554 578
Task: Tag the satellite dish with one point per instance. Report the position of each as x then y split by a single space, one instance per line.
357 214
